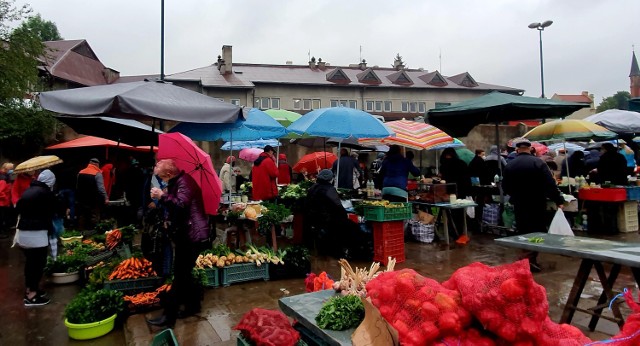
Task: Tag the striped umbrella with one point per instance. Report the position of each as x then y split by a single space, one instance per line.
413 135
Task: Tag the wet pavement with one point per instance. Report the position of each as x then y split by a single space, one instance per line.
223 307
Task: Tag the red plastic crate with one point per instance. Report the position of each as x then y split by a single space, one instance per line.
386 227
388 241
603 194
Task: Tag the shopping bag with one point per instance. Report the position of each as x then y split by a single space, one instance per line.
560 225
471 211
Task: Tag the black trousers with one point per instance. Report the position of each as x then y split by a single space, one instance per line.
184 290
35 261
530 218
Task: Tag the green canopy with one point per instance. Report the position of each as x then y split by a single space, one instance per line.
465 154
458 119
283 116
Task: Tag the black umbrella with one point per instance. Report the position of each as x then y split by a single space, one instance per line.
140 100
120 130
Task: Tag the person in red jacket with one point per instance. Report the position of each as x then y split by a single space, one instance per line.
263 176
20 185
5 199
284 170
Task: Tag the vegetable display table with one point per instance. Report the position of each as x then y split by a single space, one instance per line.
448 207
305 307
593 253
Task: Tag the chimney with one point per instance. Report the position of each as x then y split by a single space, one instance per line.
225 61
363 65
321 64
312 62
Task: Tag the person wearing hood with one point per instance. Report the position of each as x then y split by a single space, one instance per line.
576 165
375 171
478 167
611 166
326 220
454 170
348 168
495 165
263 176
284 170
36 209
227 176
395 172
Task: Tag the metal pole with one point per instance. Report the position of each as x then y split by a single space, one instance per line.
541 64
162 40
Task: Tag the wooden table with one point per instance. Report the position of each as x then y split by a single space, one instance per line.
448 207
594 253
305 307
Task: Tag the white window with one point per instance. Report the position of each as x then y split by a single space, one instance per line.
378 106
405 106
316 104
297 104
344 103
369 105
422 107
275 103
264 103
257 103
387 106
353 104
306 104
335 103
235 102
413 107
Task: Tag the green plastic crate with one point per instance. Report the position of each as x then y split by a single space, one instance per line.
134 286
92 260
380 213
241 272
212 277
165 338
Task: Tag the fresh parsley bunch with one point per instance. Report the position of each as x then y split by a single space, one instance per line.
340 313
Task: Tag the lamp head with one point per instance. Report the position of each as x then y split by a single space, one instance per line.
546 23
534 25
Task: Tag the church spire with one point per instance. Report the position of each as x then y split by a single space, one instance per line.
635 70
634 77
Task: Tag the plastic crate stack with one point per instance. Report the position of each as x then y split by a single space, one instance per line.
388 241
628 217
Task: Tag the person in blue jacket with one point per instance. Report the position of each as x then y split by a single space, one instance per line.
395 172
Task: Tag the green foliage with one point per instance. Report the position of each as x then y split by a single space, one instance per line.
619 100
66 263
218 250
340 313
45 30
105 225
200 276
70 233
19 56
22 125
297 256
101 274
273 216
92 306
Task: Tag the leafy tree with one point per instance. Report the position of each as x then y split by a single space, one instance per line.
619 100
23 126
46 30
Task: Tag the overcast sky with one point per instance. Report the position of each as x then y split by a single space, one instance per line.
588 47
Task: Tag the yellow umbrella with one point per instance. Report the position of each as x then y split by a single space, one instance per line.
568 129
36 163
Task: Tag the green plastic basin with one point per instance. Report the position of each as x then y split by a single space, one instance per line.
93 330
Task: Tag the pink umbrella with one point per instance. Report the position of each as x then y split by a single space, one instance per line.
195 162
250 154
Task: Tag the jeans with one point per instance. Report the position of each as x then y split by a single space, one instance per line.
35 261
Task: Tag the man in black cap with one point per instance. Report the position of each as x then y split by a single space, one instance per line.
529 183
90 195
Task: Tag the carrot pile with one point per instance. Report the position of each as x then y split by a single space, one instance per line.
132 268
146 298
113 238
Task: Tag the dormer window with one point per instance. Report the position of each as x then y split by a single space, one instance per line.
338 76
400 78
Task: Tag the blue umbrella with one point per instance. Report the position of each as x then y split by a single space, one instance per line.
259 125
570 147
340 122
261 143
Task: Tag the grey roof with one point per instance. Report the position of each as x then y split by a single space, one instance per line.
248 75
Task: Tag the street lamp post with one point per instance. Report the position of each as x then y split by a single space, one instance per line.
540 27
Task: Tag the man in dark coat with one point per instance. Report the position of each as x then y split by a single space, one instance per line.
348 165
478 167
326 219
90 195
612 166
528 181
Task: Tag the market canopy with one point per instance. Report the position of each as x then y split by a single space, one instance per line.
141 100
128 131
341 122
89 141
617 120
413 135
495 107
239 145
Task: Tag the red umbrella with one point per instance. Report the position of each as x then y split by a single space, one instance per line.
541 149
195 162
314 162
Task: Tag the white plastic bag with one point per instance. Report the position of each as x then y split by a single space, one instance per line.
560 225
471 211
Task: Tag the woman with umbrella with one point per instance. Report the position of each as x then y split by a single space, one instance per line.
189 230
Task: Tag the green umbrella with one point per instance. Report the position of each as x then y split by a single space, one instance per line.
465 154
283 116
